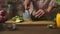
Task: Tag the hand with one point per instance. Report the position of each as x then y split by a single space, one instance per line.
38 14
26 8
26 4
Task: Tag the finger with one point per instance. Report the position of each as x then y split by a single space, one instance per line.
41 15
38 14
33 13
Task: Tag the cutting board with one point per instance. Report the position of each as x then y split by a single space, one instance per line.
31 22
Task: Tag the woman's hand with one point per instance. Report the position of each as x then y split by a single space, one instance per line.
39 13
27 4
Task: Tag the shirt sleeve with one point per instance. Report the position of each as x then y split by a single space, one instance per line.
52 3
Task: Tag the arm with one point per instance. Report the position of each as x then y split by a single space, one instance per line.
50 6
26 4
41 12
49 9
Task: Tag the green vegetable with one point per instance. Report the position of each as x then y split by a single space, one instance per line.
17 19
51 26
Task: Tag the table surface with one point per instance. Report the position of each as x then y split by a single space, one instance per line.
32 30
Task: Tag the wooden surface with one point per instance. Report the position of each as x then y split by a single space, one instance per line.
32 30
31 22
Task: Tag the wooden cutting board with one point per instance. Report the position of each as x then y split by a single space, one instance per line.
31 22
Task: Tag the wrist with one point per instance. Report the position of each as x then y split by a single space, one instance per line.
46 11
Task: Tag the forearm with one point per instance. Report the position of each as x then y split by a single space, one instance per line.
51 5
49 9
